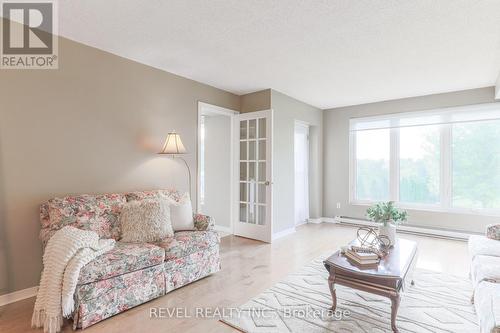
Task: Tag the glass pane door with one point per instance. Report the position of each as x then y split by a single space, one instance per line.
252 163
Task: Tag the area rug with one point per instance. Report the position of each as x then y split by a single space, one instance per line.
436 303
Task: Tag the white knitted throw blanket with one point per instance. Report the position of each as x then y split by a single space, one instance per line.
66 253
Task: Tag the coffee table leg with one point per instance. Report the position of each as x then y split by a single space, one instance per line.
331 284
395 299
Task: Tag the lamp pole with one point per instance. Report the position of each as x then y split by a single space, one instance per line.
189 174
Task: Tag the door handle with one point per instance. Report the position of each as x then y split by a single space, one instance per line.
267 183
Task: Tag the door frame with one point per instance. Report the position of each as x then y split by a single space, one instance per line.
203 109
269 168
307 126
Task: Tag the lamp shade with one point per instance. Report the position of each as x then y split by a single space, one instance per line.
173 145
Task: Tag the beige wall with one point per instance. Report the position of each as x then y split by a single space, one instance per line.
256 101
93 126
286 111
336 148
497 88
217 169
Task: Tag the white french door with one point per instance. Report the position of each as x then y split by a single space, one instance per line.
254 173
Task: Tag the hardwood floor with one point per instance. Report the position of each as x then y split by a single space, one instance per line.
248 268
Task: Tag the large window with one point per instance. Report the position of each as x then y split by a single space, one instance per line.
442 159
419 164
372 167
476 165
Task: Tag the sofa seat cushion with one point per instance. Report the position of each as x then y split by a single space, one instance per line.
485 268
487 304
481 245
186 242
123 258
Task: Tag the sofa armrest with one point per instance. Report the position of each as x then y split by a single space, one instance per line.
44 235
493 231
203 222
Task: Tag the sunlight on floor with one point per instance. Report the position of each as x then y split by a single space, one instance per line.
431 265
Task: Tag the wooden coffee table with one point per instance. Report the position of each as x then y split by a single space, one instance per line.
387 279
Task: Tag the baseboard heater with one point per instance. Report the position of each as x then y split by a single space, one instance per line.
408 229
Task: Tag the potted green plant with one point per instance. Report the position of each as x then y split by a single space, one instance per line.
388 217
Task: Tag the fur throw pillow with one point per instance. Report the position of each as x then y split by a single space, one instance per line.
146 220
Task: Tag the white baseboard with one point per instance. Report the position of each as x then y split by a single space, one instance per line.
315 220
322 219
302 223
283 233
329 220
223 229
18 295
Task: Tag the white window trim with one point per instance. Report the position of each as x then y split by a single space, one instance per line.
446 181
394 164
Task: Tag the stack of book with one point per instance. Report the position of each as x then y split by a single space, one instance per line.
363 258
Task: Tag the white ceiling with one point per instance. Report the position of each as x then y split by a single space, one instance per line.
327 53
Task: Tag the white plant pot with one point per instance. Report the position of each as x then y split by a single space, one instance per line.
389 231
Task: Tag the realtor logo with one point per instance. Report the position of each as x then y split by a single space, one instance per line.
28 40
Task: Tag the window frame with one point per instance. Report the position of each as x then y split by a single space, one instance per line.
446 171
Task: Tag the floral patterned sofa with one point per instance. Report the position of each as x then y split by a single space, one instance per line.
131 273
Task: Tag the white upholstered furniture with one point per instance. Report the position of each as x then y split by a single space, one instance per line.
485 276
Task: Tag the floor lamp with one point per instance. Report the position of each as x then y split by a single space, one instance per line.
173 147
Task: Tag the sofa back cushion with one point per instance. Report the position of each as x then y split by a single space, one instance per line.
99 213
153 194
